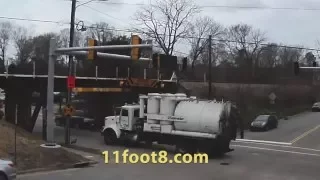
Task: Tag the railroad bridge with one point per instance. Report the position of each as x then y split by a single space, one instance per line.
20 81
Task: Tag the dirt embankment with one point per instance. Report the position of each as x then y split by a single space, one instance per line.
29 154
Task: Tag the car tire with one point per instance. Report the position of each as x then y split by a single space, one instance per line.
267 128
3 177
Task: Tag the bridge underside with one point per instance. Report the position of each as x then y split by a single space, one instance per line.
19 95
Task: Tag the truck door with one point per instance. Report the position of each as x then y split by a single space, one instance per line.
124 119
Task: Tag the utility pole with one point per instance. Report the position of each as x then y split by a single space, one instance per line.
70 66
210 67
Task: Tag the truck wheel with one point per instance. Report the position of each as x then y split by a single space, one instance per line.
185 148
3 177
110 137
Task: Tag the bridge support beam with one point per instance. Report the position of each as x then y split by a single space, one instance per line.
24 110
10 104
39 103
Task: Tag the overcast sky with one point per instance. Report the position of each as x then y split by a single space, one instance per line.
291 27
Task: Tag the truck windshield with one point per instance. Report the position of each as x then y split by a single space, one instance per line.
136 113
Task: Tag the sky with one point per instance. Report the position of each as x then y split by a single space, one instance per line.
291 26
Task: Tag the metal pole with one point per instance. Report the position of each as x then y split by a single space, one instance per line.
111 47
70 65
50 90
209 70
117 72
34 68
103 55
15 134
44 123
96 72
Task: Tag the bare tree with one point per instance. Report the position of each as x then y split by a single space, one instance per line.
24 44
219 54
64 38
5 35
200 30
41 46
243 38
102 32
166 21
286 56
269 55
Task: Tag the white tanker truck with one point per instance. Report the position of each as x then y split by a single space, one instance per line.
191 124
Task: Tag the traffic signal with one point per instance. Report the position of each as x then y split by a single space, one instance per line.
184 63
296 68
314 64
135 52
92 54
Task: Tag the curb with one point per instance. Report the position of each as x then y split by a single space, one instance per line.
75 165
84 149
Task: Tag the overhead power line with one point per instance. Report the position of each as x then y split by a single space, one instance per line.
32 20
132 31
219 6
102 12
215 39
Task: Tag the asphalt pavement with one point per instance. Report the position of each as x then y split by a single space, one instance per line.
248 161
300 130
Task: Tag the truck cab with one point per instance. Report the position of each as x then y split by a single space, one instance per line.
123 122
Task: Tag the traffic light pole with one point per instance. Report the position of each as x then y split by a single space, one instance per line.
210 67
70 66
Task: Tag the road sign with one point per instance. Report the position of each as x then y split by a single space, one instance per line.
272 98
71 82
68 110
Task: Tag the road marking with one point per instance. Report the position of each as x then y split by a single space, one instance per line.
277 150
261 141
276 145
305 134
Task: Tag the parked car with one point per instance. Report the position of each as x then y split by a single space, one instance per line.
316 107
7 170
264 122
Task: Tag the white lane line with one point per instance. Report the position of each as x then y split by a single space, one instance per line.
262 141
305 134
292 147
277 150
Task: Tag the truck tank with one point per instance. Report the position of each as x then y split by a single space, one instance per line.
204 116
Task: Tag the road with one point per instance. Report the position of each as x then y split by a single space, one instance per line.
248 161
300 130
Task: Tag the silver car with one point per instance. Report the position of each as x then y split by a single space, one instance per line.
7 170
